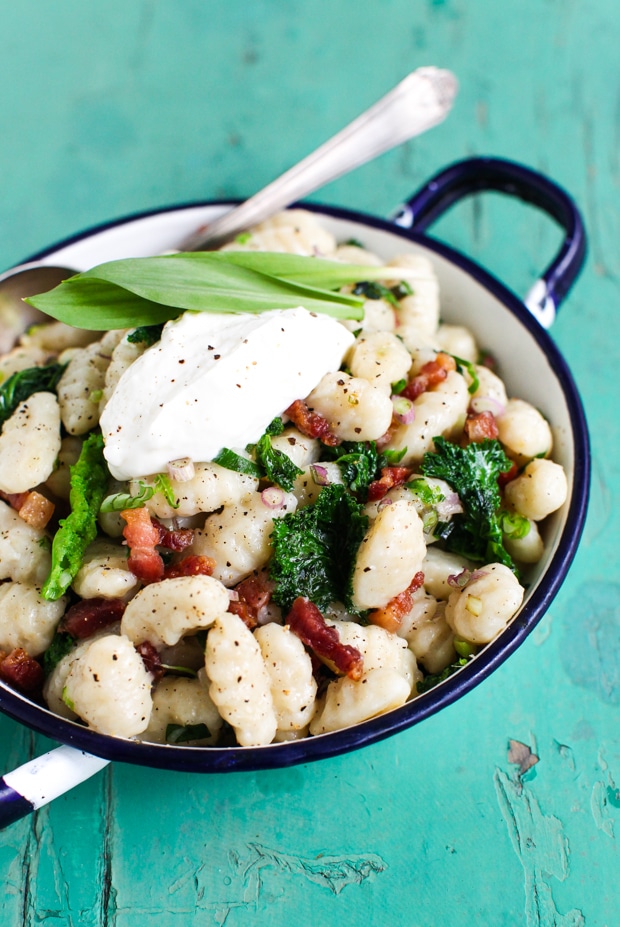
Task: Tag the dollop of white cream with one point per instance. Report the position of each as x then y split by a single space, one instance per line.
214 381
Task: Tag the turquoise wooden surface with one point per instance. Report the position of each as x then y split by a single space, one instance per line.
112 107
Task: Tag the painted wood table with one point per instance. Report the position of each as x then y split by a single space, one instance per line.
110 108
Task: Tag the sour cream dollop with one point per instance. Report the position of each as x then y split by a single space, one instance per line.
214 381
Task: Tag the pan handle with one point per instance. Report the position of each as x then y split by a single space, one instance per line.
474 175
29 787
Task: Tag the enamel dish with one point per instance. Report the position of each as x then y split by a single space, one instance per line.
515 331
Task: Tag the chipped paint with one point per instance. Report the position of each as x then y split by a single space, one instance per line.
539 841
522 756
246 882
567 754
600 810
604 798
332 872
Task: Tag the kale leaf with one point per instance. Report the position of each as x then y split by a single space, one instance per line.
186 733
230 460
278 467
22 384
473 473
360 463
146 334
276 427
62 644
268 460
314 549
370 289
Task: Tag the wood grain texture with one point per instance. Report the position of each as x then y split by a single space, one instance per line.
110 108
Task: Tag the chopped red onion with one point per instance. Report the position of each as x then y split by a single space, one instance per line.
459 580
477 574
404 409
319 475
488 404
272 497
462 579
181 469
385 501
449 506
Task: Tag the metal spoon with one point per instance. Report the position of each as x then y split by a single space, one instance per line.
419 102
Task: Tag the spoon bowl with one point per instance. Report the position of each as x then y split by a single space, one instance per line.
16 284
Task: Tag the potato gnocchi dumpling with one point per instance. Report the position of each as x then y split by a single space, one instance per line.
109 687
29 444
185 704
321 574
164 612
240 685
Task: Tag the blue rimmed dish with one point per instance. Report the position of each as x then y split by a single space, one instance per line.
512 329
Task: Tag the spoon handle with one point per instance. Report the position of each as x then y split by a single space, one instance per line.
38 782
419 102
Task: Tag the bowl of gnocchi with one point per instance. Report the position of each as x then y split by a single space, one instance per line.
273 503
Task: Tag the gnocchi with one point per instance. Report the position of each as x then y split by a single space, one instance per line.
240 685
355 408
485 605
29 443
27 621
109 687
82 380
164 612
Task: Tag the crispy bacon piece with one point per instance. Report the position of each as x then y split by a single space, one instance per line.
14 499
33 507
146 565
36 510
479 426
139 531
390 477
22 672
391 615
253 594
432 374
241 608
173 538
141 536
87 617
504 478
192 565
151 660
307 622
311 424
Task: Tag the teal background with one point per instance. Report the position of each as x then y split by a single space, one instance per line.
113 106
